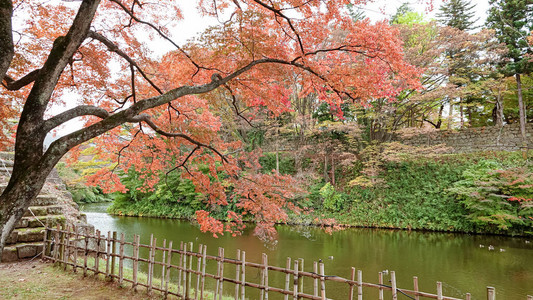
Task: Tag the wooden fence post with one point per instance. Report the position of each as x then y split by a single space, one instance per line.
301 277
62 245
415 285
113 250
56 244
322 282
380 292
198 271
237 274
76 238
97 260
439 290
86 251
295 281
45 242
315 279
529 297
468 296
352 279
108 254
393 283
169 263
243 273
180 269
265 275
163 263
287 277
121 260
359 285
189 280
136 242
67 249
221 282
491 293
204 262
153 242
184 282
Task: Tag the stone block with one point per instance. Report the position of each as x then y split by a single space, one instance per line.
30 235
9 254
36 210
27 250
22 223
12 237
44 200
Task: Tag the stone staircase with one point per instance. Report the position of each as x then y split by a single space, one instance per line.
53 206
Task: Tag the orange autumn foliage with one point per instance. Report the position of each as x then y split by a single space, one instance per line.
160 110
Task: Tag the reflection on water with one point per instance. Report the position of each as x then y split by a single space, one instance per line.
463 262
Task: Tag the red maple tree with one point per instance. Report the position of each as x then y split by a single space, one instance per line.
96 57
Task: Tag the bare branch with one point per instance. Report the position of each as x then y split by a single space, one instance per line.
114 48
146 118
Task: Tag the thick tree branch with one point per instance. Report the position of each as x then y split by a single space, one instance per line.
30 134
132 113
82 110
6 37
14 85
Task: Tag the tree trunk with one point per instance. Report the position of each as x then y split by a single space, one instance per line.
6 37
450 116
32 165
461 113
17 197
522 110
498 110
333 170
326 179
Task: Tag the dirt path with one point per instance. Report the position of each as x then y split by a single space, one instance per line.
40 280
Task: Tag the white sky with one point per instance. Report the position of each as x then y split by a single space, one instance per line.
384 9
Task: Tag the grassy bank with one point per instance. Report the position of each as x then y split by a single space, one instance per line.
478 192
486 192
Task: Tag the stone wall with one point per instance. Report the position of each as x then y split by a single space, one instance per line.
506 138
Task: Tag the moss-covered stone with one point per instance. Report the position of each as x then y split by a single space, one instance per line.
9 254
30 234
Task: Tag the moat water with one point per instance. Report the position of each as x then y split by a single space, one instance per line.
462 262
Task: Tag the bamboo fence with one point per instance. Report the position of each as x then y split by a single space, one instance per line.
70 247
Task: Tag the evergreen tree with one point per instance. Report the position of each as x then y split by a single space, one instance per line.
401 11
513 21
458 14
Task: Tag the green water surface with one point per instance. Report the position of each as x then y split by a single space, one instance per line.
462 262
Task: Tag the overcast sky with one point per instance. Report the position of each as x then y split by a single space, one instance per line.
384 9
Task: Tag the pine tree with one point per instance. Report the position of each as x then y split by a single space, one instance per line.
458 14
513 21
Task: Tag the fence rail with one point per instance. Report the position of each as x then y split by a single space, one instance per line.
96 253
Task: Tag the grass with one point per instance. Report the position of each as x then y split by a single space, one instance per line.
141 278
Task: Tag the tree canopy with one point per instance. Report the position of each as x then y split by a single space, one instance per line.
97 57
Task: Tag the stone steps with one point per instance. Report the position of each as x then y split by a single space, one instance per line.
40 221
44 200
7 155
24 235
44 210
21 251
50 208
